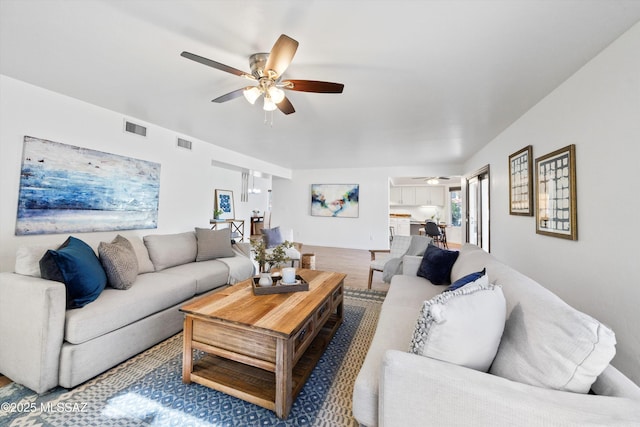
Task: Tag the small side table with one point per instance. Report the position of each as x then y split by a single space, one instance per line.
236 225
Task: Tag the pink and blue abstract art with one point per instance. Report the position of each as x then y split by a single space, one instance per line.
335 200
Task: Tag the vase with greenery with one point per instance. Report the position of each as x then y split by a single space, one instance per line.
268 258
217 213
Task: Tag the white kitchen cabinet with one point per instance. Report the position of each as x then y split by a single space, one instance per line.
417 196
408 195
423 195
395 196
402 196
436 196
401 226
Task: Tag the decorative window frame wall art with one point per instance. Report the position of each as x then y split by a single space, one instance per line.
556 209
69 189
335 200
224 202
521 182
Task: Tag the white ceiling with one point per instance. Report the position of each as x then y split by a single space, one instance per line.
426 82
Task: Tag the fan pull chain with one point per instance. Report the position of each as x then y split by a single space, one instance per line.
266 118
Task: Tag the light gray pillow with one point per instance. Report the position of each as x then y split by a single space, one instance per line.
169 250
28 259
142 254
213 244
547 343
119 261
463 326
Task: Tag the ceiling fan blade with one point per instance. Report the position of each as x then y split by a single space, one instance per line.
286 106
229 96
216 65
313 86
281 55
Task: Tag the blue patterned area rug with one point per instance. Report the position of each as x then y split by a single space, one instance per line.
147 390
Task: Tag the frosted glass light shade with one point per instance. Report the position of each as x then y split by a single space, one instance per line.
276 94
269 105
251 94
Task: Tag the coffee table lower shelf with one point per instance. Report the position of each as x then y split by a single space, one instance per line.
257 385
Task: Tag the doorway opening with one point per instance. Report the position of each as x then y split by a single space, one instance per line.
478 208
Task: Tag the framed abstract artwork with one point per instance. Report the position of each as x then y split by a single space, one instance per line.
521 182
556 209
69 189
224 203
335 200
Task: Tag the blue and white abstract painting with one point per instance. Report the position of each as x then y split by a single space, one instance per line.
69 189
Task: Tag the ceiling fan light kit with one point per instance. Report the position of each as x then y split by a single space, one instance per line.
267 69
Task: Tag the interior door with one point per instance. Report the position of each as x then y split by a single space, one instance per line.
478 208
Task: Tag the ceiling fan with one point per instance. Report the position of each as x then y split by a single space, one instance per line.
267 70
432 179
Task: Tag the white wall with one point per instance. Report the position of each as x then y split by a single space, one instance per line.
598 110
187 182
292 205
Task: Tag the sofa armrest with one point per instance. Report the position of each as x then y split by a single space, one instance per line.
415 390
410 265
243 248
32 316
612 382
373 252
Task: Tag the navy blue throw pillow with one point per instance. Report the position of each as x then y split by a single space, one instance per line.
436 265
76 265
469 278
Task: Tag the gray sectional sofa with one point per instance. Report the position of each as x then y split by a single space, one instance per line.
44 344
551 367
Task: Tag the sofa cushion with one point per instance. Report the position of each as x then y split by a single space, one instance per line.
393 331
469 278
548 343
119 262
436 265
206 274
142 255
463 326
114 309
76 265
213 244
169 250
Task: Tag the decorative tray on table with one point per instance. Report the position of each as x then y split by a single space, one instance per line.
278 287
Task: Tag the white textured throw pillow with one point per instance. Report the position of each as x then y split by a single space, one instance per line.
463 327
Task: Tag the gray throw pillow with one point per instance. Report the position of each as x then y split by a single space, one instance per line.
272 237
547 343
119 261
213 244
169 250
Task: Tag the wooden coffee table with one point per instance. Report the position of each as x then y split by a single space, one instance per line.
262 348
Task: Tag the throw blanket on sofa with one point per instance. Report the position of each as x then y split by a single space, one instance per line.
239 269
393 266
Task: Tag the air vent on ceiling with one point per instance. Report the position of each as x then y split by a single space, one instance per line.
134 128
183 143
